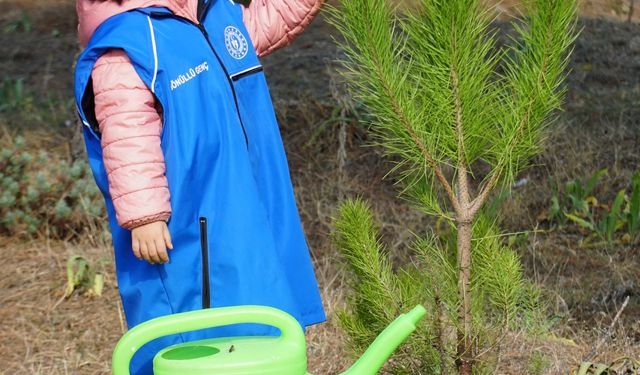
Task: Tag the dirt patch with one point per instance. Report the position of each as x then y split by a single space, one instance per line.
38 43
615 10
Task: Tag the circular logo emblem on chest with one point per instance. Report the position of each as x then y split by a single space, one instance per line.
236 42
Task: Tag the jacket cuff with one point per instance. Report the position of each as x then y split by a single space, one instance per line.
132 224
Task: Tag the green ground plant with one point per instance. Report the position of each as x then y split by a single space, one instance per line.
83 276
538 364
41 194
19 105
632 211
462 117
578 194
14 97
22 24
621 366
617 222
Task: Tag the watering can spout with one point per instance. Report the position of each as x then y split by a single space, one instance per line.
386 343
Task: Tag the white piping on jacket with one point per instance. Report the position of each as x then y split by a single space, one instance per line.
80 116
246 70
155 56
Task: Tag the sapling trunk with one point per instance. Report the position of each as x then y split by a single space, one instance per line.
464 222
465 216
465 332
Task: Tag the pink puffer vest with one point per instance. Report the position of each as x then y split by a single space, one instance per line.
126 111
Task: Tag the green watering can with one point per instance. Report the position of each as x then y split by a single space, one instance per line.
258 355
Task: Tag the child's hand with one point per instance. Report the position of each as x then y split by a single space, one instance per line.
150 242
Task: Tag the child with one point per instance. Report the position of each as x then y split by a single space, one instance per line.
183 142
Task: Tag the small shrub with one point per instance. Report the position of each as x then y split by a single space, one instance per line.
41 193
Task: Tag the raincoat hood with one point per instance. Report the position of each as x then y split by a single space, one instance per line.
92 13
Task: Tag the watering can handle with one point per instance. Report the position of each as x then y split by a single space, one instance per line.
289 327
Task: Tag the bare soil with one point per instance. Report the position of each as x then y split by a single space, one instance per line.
46 334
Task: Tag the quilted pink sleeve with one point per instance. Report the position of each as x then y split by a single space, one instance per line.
130 126
273 24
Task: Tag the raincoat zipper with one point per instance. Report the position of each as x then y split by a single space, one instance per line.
205 34
204 246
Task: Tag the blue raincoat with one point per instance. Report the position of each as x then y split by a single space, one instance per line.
235 227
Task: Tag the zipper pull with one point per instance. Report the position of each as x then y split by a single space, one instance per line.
245 3
203 30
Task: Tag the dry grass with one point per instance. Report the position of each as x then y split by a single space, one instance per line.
45 334
42 332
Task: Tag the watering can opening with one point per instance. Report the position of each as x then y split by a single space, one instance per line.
186 353
233 356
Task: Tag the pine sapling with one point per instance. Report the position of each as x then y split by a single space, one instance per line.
450 105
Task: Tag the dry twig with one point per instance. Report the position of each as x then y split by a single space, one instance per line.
608 334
